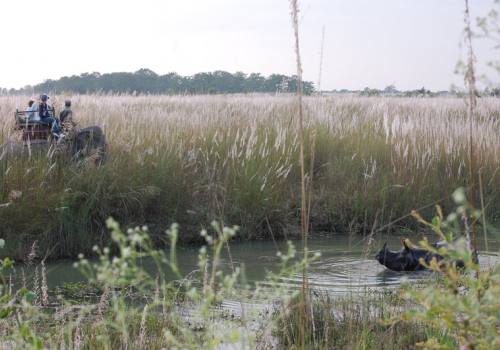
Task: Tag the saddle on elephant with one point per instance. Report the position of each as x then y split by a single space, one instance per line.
32 130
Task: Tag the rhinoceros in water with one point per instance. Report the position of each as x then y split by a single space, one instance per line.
408 258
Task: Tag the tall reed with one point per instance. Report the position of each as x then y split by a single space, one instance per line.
470 82
304 215
321 54
191 159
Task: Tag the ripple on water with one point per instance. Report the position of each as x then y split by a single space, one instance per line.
347 274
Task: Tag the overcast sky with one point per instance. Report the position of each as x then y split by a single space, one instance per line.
409 43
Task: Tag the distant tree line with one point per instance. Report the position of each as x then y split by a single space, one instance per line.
146 81
391 90
422 92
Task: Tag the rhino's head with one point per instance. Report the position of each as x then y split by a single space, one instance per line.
401 260
382 254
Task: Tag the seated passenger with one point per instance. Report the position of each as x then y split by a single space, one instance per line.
46 116
32 111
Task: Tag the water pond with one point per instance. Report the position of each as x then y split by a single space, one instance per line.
345 265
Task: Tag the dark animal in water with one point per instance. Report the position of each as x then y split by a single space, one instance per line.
408 258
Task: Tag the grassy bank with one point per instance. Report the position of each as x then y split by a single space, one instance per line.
364 321
192 159
122 304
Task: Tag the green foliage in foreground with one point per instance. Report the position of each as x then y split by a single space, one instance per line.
467 301
134 308
139 309
459 309
353 322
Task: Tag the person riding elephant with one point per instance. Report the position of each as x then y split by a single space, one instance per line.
46 116
68 125
32 111
80 144
66 113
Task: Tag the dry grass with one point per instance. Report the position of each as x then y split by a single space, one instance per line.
193 159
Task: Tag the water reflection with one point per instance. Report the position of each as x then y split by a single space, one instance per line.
345 265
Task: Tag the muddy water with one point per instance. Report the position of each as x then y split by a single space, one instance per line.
345 265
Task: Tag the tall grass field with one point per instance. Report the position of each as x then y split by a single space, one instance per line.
193 159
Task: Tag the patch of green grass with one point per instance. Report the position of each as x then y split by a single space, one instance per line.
356 322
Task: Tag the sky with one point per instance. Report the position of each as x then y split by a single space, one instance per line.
375 43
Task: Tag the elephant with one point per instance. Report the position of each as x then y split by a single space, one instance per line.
89 142
84 144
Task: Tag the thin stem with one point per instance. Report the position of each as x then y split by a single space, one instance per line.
303 206
470 82
321 59
483 213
